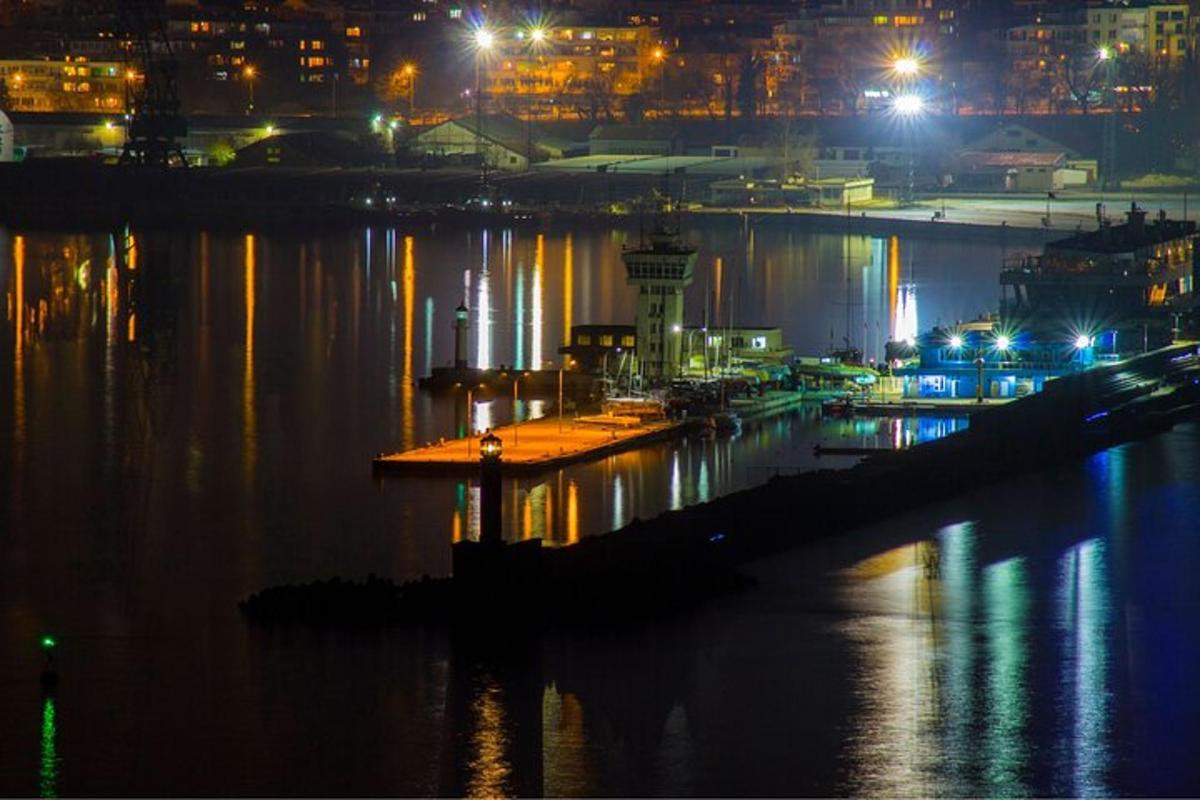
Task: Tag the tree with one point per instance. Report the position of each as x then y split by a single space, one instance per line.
747 90
792 148
1083 74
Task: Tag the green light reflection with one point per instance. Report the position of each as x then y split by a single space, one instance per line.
1006 623
51 763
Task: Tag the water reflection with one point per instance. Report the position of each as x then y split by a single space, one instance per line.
1006 608
1083 614
51 763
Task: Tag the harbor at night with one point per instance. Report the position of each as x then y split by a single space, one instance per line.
771 398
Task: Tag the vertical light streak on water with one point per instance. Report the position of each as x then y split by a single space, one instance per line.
460 511
535 341
51 764
894 751
676 483
483 416
367 237
489 767
718 281
111 307
618 502
702 488
483 350
1006 629
565 746
408 284
472 514
534 409
527 517
249 419
538 511
568 287
958 569
893 280
572 512
519 333
1083 619
428 335
18 346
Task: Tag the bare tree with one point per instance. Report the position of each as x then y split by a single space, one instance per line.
1083 74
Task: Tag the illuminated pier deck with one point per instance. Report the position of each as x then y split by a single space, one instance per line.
538 445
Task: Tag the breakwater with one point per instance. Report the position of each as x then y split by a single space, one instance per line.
682 557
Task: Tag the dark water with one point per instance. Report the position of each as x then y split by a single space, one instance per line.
171 442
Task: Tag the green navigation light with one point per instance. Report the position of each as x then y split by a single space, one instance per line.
48 642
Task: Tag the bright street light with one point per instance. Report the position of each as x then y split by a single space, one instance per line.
537 35
908 105
1003 342
956 342
484 39
906 66
1083 341
1104 54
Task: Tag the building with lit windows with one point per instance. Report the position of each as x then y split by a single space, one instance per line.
578 60
1161 29
68 84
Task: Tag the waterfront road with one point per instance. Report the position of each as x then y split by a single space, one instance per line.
1068 211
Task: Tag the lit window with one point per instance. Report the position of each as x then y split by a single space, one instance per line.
583 340
456 13
628 341
606 340
353 32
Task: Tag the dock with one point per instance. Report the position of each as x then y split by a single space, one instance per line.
927 406
535 446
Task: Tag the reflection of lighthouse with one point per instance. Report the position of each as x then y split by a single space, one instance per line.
906 325
461 325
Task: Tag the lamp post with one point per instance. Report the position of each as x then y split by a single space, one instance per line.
248 74
516 416
979 378
560 397
660 57
909 108
410 72
483 40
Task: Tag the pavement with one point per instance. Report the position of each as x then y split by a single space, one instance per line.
1068 212
533 442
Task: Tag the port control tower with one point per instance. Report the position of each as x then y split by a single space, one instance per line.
661 268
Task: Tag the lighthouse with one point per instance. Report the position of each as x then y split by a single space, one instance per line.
461 325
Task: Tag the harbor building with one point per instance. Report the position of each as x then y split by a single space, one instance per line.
661 268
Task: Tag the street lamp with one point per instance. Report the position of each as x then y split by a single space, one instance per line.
248 74
906 67
659 56
516 417
909 107
483 41
410 72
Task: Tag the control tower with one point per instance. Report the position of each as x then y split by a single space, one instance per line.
661 269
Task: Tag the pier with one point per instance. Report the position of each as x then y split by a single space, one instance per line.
535 446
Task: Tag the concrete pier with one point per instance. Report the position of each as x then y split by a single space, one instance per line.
537 445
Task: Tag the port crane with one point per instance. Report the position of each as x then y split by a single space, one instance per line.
155 126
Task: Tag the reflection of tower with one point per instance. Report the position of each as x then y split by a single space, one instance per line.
461 324
661 269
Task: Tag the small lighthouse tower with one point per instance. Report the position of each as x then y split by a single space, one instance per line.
461 325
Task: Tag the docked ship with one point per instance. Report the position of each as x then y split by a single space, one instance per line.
1097 296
